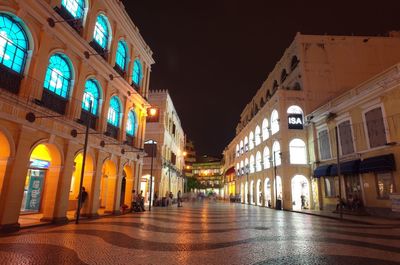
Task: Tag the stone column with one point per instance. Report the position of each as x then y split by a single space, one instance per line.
94 202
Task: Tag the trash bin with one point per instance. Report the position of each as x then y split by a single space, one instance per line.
279 204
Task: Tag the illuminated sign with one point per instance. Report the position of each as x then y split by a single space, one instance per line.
35 163
295 121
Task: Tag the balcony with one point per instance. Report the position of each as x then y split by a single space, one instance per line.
112 131
10 80
85 116
100 50
76 24
53 102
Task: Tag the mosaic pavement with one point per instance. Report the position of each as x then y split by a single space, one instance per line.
205 233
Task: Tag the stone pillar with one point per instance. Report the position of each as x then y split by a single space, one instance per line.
117 189
14 183
94 202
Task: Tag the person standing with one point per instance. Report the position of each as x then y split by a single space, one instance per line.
179 199
84 196
141 201
133 204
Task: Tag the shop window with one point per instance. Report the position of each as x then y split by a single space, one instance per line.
346 138
324 145
376 127
385 184
330 190
298 153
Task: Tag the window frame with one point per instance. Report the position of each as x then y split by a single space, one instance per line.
82 5
304 151
63 57
275 122
135 124
96 103
118 119
386 126
324 128
108 34
352 136
124 56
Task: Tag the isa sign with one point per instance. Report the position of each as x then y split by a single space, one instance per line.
295 121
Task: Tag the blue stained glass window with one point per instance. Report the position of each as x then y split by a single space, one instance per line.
75 7
137 72
91 94
120 59
131 124
13 44
114 111
101 34
58 75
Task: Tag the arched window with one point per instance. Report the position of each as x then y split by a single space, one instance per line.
246 144
252 164
257 135
241 147
131 124
91 94
246 165
276 150
251 140
114 112
101 33
283 75
265 130
258 162
294 62
274 122
237 150
294 110
75 7
298 153
266 158
121 56
241 167
58 75
237 169
13 44
137 73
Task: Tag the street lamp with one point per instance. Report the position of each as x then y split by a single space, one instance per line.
153 145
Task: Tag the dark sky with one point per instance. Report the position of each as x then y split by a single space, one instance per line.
213 55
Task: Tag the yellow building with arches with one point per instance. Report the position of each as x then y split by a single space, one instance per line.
65 65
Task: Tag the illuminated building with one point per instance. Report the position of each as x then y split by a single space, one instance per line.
271 158
64 64
208 171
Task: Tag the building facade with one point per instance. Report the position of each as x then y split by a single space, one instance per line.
65 65
271 155
208 172
190 158
168 164
366 120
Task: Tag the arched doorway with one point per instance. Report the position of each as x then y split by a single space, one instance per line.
76 178
300 193
123 189
145 187
279 193
129 185
107 186
252 192
259 193
5 152
242 196
246 192
267 192
41 183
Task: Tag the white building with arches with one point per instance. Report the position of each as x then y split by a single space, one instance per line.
65 64
312 70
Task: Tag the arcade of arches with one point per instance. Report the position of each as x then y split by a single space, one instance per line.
41 178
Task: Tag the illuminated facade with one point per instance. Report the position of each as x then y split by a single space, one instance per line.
367 118
271 158
65 64
169 163
208 171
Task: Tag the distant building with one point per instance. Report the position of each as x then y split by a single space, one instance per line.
93 66
367 119
169 162
190 158
208 171
272 161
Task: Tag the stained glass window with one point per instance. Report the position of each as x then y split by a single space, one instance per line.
75 7
120 58
101 32
58 75
137 72
13 44
91 94
114 111
131 124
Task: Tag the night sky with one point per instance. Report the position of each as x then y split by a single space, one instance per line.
213 55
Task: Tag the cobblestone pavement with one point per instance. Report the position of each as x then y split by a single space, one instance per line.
205 233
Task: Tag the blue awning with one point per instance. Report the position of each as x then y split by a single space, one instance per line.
378 164
346 168
322 171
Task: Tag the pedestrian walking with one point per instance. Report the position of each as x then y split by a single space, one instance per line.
84 196
179 199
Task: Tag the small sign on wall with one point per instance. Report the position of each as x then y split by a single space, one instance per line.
295 121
